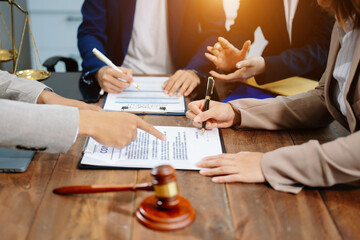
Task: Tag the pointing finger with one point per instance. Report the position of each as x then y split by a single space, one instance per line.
150 129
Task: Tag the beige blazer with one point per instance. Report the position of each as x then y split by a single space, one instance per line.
28 126
311 164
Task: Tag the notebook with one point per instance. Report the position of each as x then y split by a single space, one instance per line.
245 91
14 160
286 87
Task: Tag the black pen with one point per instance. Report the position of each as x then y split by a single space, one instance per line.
209 90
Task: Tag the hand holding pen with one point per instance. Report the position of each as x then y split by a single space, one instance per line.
108 79
209 91
219 115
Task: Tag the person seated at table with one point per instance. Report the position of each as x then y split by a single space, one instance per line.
48 126
149 37
337 97
298 35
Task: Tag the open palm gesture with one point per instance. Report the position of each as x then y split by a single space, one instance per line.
225 55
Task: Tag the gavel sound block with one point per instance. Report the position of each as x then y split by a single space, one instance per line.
166 210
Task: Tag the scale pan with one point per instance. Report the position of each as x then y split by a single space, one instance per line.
33 74
6 55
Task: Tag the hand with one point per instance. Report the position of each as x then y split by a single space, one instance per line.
238 167
109 82
48 97
219 115
247 69
114 129
225 56
183 80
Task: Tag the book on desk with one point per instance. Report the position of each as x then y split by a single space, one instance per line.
285 87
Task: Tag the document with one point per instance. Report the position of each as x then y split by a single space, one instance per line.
183 148
149 99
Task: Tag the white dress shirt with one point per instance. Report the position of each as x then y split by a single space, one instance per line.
348 38
290 7
149 51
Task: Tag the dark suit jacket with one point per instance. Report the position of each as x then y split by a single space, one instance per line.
193 25
311 30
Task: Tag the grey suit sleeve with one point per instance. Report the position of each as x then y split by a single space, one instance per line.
50 128
313 164
20 89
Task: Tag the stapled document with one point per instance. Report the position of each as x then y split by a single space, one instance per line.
183 148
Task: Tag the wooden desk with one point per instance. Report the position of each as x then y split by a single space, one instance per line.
29 209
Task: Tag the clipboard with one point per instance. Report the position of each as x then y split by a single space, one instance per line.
157 109
94 167
150 99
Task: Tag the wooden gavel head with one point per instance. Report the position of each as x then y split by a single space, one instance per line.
165 186
166 210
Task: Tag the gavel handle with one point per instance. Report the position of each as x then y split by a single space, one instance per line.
102 188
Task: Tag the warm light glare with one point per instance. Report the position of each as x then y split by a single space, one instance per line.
230 7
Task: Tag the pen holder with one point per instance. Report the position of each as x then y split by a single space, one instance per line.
166 210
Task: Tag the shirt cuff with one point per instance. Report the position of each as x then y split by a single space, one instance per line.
76 135
45 89
277 178
201 75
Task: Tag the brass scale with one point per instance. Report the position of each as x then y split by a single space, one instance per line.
14 54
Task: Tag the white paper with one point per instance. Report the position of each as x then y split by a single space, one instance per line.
150 99
183 148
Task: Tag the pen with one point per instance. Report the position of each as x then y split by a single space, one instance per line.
209 90
107 61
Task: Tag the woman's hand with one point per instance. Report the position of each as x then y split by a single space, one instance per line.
225 55
238 167
219 115
114 129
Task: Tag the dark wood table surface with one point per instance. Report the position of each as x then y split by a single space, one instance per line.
30 210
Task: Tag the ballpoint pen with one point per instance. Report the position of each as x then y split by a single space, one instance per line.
209 90
108 62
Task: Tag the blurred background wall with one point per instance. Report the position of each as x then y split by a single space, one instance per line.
54 24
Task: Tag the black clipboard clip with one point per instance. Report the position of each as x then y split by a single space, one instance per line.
124 108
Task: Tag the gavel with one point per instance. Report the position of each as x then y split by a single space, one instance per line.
166 210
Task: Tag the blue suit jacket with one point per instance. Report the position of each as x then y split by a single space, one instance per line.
193 25
311 31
